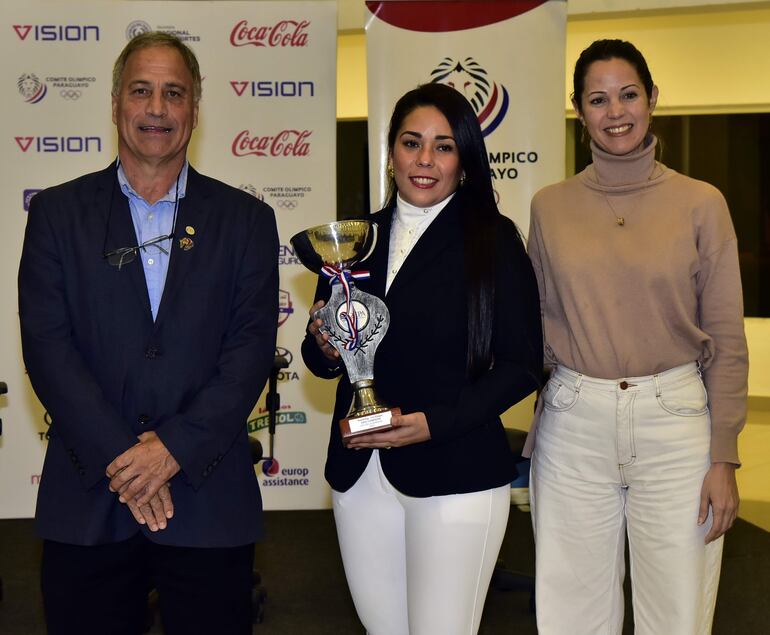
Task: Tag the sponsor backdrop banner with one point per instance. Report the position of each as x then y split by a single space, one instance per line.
505 56
267 125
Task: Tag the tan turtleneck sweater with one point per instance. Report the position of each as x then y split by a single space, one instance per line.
658 291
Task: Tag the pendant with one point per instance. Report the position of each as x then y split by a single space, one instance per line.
621 221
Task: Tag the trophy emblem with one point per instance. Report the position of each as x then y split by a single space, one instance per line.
355 321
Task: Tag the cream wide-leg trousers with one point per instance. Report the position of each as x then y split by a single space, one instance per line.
418 566
616 457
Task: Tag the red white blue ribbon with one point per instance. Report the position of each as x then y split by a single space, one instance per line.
345 277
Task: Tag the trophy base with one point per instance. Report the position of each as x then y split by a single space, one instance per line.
364 424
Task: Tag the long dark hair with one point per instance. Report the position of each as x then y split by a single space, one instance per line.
480 216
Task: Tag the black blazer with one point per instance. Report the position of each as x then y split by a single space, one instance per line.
106 372
420 364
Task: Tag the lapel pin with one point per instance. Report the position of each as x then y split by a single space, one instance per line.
190 230
186 243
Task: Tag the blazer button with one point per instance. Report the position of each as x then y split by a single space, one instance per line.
144 419
152 352
623 385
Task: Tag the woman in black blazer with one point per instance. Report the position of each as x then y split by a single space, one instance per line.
421 509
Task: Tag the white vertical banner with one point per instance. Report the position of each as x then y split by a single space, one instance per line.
267 125
505 56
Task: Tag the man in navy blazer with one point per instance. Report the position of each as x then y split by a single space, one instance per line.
148 300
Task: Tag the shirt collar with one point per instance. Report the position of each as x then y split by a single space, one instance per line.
170 196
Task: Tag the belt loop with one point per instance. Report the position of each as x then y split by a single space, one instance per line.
578 382
656 379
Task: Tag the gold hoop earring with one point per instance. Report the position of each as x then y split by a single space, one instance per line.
390 171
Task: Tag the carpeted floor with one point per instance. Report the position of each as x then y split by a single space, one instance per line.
307 594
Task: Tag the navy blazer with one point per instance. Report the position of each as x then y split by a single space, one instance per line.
106 372
420 365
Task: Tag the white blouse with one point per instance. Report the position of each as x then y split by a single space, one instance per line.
409 223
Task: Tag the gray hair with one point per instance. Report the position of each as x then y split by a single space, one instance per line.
157 38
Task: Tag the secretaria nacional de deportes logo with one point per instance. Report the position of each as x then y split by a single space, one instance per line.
489 99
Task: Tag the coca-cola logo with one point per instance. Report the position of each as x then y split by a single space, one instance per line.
285 33
287 143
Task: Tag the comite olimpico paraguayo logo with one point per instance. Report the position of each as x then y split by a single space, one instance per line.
31 88
489 99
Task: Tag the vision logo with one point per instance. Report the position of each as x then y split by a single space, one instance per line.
57 32
73 145
31 88
489 99
285 88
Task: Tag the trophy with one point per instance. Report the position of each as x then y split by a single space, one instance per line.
355 321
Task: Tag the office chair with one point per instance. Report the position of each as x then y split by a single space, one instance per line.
504 579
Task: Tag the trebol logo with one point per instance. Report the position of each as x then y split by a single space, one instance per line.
28 194
489 99
285 307
286 374
58 32
286 143
291 33
73 144
285 416
270 88
31 88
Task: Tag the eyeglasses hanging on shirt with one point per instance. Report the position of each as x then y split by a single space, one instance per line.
125 255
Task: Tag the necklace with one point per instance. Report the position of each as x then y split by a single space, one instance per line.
618 219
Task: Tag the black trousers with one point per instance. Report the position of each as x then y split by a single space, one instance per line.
102 590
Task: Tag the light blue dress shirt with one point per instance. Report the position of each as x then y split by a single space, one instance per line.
151 221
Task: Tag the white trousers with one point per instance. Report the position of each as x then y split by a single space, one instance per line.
613 457
418 566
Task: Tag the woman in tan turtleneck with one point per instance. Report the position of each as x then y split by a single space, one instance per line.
640 291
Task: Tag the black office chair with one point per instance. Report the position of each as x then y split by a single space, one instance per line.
504 579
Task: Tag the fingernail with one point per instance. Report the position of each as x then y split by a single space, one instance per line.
121 499
169 514
163 525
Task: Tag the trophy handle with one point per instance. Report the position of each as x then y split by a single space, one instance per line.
373 245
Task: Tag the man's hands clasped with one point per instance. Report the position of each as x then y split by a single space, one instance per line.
140 476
